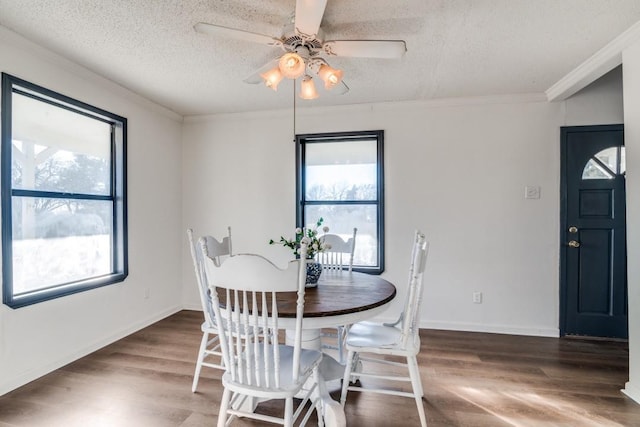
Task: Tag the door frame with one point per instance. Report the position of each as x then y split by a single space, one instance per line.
564 130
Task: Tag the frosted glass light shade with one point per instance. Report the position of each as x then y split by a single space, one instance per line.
291 65
272 78
308 89
330 76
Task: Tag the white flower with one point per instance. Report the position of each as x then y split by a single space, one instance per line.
307 236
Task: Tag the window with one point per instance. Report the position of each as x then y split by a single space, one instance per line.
340 178
606 164
64 227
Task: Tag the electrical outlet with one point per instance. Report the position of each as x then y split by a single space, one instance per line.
477 297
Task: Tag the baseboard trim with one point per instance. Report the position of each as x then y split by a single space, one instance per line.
9 384
632 391
190 306
494 329
462 327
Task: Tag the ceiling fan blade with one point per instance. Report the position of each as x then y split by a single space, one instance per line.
232 33
255 77
309 15
366 48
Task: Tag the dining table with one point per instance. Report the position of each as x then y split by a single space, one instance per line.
339 298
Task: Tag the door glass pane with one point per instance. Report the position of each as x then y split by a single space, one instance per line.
55 149
341 219
341 170
606 166
58 241
609 157
593 170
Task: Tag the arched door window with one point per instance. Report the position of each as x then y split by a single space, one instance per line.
606 164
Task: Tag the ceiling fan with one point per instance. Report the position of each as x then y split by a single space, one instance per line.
303 45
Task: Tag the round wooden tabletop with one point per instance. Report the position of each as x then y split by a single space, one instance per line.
339 293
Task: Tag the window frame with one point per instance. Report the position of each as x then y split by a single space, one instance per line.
301 202
117 195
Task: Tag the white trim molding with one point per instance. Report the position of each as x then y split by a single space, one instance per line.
632 391
600 63
493 329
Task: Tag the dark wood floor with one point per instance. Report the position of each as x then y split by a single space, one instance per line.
471 379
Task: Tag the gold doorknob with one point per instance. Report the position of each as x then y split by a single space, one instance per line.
573 229
574 244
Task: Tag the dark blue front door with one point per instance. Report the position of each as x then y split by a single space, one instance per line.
593 235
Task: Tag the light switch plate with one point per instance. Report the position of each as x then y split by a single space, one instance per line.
532 192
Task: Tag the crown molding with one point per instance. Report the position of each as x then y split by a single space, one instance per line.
522 98
600 63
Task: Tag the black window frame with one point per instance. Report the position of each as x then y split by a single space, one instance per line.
117 195
301 141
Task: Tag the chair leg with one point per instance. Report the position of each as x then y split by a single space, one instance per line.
340 340
322 392
224 407
347 376
416 382
288 412
201 355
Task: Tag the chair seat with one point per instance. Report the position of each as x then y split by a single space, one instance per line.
207 327
309 359
370 336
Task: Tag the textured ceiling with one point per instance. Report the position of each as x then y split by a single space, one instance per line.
455 48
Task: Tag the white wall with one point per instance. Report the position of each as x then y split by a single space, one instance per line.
631 71
455 170
598 103
39 338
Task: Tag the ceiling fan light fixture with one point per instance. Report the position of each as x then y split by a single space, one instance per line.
330 76
292 65
272 78
308 88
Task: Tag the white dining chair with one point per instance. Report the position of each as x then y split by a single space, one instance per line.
209 354
337 258
378 341
258 366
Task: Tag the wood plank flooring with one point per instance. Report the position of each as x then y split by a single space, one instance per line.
470 379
